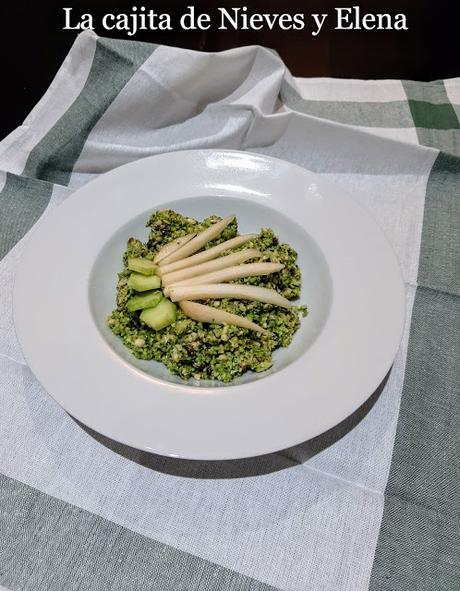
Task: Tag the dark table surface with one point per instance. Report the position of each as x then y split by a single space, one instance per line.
33 44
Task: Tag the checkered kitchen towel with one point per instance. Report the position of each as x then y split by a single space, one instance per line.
373 504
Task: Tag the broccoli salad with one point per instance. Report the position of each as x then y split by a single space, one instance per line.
207 302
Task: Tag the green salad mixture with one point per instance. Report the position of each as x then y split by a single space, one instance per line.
199 350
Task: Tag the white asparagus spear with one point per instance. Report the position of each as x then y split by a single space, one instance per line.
229 274
206 255
200 240
228 290
172 246
220 263
202 313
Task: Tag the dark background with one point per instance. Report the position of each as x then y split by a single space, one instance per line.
33 44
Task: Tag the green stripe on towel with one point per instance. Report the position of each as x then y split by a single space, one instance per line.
429 116
419 541
440 248
431 92
392 114
50 545
434 117
22 202
114 63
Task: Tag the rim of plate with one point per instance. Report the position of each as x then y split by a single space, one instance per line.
335 376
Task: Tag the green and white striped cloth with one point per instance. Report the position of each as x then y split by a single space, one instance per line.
373 504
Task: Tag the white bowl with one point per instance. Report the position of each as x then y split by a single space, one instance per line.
65 288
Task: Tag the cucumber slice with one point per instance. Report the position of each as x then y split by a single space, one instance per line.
161 316
140 282
143 266
145 300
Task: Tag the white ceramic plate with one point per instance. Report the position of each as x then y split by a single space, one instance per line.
65 288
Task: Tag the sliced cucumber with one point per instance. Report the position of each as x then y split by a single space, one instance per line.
161 316
140 282
143 266
145 300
